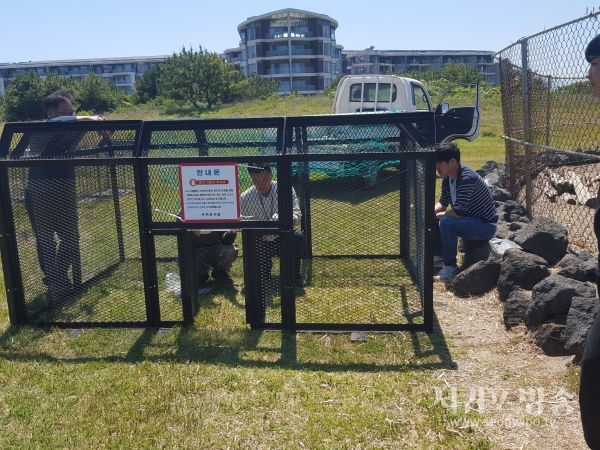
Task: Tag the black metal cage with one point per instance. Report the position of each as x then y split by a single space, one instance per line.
90 233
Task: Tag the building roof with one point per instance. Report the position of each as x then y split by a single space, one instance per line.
78 62
372 51
283 13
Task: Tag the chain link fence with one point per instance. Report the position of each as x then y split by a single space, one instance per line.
342 241
551 126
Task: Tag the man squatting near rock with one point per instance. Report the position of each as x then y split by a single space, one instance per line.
473 215
589 389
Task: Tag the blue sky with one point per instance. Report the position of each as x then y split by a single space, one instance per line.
35 30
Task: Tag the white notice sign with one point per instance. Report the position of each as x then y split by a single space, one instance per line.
209 192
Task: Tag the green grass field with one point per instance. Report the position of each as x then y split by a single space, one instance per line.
218 385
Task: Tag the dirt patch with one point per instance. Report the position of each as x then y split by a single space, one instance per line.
535 406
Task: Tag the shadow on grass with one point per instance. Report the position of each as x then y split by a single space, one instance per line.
251 349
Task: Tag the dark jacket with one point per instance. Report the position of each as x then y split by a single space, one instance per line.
212 238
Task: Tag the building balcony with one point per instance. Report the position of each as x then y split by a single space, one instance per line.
302 52
303 69
278 71
277 53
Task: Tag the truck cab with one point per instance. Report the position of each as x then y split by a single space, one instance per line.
381 93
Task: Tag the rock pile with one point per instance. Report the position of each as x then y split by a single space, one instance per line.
543 284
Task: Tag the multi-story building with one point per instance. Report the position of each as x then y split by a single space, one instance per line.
371 61
295 47
298 48
122 72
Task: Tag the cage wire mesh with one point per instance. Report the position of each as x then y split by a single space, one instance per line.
165 204
76 226
547 102
352 212
353 236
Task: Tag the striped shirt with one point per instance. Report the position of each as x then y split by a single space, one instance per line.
473 196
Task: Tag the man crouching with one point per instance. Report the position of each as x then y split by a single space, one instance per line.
216 249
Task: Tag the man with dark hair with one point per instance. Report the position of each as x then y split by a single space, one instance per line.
50 197
589 388
260 202
473 215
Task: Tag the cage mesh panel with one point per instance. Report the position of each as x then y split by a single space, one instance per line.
352 210
84 206
356 277
167 263
219 142
352 139
72 144
415 173
562 115
267 291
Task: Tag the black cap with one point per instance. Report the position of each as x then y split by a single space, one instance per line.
257 168
592 50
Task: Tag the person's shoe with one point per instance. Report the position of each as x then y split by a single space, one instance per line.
221 276
447 273
202 278
300 282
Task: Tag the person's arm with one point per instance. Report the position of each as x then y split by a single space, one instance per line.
297 213
87 118
446 213
75 118
441 206
248 204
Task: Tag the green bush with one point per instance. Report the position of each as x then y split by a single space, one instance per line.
23 98
254 87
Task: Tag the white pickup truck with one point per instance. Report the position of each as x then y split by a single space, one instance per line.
379 93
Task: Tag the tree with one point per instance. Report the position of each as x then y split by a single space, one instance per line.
23 98
582 88
253 87
146 88
454 73
197 76
94 93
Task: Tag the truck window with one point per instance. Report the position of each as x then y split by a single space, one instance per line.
383 95
356 92
420 98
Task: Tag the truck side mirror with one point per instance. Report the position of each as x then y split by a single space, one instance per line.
445 108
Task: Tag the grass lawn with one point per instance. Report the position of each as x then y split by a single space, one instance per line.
218 385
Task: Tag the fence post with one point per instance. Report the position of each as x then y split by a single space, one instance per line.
548 111
526 124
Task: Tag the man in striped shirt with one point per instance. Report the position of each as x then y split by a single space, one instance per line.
473 215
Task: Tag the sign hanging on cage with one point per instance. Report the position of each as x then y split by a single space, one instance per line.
209 192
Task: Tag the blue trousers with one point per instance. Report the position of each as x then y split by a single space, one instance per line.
449 229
